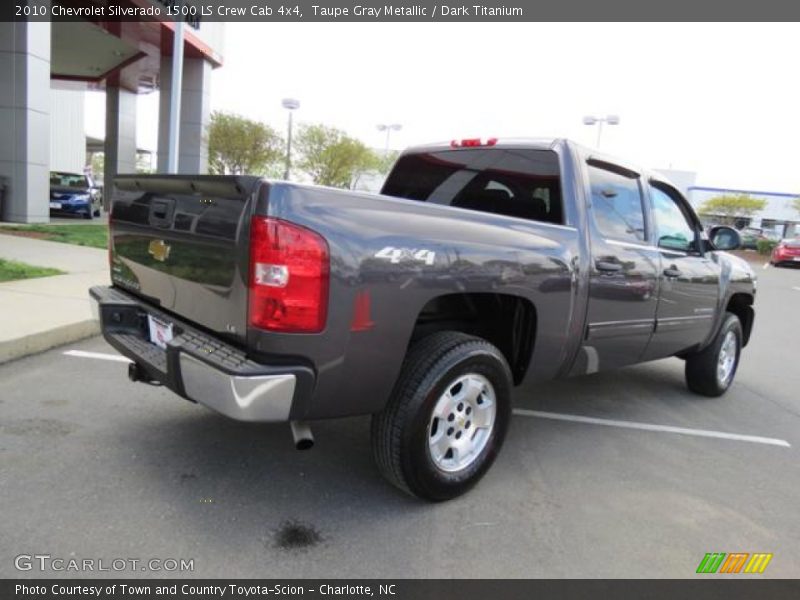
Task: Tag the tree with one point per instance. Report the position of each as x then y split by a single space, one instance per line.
732 205
330 157
144 162
237 145
386 161
98 164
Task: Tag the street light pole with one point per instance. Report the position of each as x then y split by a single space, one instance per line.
289 104
592 120
388 128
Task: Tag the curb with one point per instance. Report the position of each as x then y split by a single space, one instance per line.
45 340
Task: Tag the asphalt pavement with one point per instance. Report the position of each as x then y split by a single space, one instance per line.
95 467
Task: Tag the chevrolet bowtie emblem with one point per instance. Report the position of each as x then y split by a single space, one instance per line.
159 250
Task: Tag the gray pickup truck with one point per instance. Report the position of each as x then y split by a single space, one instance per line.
483 266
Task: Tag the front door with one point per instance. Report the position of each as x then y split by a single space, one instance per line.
689 277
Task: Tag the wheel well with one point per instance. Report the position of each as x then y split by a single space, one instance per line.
742 306
507 322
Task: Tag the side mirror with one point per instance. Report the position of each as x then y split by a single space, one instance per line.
723 237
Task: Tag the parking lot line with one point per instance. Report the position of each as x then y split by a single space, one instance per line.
796 288
755 439
97 355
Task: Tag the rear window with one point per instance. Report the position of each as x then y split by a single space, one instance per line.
72 180
510 182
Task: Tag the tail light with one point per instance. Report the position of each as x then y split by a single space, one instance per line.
289 273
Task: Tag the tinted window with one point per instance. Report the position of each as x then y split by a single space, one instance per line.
72 180
673 229
617 205
515 183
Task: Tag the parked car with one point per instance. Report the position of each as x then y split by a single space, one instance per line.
750 237
74 194
484 266
787 252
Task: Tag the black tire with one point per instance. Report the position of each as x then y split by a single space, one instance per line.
702 375
87 216
400 433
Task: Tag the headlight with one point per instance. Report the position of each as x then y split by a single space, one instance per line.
81 198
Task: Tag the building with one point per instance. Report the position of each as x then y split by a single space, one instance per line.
778 219
37 128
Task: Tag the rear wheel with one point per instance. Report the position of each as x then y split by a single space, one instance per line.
447 417
711 371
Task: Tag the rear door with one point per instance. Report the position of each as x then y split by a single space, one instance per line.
624 272
689 278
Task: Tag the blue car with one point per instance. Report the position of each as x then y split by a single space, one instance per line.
74 194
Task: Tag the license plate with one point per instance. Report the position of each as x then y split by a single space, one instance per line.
56 205
160 331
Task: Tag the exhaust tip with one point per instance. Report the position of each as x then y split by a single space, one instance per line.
304 444
301 432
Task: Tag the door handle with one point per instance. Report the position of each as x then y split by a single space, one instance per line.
672 272
608 266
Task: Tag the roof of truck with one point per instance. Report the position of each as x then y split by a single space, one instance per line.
498 142
541 143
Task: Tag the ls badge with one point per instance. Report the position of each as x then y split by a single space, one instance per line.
159 250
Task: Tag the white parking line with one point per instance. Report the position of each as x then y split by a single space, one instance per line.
766 265
797 289
755 439
97 355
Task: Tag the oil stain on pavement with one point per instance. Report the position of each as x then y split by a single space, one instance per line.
295 535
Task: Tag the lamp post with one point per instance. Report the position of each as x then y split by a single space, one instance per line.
388 128
592 120
289 104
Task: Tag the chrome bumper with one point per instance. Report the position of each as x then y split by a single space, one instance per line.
259 398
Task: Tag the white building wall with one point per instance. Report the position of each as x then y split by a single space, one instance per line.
67 131
682 180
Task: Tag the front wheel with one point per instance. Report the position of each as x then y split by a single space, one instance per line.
711 371
447 417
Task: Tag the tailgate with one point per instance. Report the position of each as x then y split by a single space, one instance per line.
180 242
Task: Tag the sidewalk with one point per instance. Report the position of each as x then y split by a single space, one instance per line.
42 313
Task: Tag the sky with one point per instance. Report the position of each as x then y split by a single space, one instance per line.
718 99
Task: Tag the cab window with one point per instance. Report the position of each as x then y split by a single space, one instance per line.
617 205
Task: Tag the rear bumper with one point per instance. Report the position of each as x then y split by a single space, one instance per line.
786 259
200 367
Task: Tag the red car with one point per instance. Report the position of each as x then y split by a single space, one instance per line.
787 252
